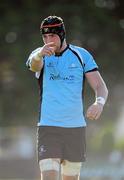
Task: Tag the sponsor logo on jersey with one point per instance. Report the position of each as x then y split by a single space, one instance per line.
58 77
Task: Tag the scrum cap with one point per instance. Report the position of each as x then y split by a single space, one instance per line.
53 24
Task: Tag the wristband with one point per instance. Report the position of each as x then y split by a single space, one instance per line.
100 100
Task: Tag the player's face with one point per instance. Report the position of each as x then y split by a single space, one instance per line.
47 38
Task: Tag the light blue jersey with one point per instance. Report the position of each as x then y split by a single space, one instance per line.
62 86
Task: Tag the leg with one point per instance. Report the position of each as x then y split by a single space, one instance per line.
71 170
50 175
50 169
70 177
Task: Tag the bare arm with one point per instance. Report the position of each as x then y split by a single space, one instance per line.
36 62
101 93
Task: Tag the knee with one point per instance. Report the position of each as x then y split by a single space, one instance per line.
51 164
71 168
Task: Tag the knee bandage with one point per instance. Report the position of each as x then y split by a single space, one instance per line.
49 164
71 168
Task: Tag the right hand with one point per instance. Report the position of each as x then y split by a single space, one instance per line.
48 49
94 111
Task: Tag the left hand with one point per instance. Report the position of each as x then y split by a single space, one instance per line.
94 111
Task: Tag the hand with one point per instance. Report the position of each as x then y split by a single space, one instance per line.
47 49
94 111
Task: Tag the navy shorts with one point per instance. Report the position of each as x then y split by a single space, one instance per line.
63 143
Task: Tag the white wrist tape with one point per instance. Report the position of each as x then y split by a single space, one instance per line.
100 100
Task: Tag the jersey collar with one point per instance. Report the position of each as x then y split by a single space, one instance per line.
61 53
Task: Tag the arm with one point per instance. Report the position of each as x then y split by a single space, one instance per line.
36 63
36 60
101 93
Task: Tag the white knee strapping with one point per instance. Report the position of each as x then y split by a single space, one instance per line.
71 168
49 164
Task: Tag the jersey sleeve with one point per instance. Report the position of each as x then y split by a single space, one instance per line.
89 62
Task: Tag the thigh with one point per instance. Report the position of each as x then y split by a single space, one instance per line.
74 144
49 144
70 168
49 164
50 168
62 143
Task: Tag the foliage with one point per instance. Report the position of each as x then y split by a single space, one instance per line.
96 25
